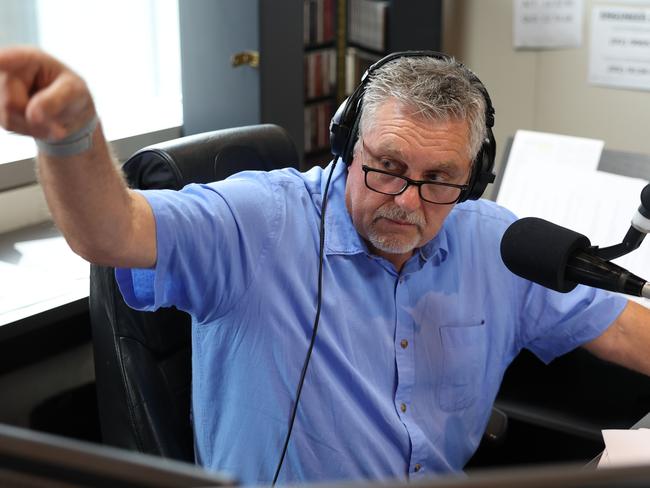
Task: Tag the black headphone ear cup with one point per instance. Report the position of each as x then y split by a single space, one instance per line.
338 132
348 152
344 127
482 169
474 188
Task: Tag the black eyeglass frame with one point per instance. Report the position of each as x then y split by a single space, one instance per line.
409 182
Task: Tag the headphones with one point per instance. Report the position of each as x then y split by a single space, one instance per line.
344 127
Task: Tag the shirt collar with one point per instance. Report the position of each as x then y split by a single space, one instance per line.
437 248
341 237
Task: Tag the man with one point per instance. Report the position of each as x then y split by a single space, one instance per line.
419 316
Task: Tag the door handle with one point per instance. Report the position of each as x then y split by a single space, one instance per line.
248 58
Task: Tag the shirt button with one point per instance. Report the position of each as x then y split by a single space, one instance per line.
404 343
402 407
418 467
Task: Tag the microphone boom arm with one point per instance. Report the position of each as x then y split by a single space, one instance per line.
635 234
593 270
631 241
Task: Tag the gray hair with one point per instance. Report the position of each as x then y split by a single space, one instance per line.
436 89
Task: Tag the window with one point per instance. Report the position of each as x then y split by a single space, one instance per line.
128 51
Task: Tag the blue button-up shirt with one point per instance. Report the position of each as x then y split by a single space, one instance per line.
406 365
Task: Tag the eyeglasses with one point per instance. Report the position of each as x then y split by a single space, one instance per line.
430 191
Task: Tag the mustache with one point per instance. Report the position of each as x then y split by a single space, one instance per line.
400 215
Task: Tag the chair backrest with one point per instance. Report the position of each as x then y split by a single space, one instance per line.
142 360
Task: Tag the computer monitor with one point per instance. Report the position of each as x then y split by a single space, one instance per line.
540 476
35 459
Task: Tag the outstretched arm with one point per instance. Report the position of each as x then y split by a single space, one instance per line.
101 219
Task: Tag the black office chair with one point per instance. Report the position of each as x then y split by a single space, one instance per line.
142 360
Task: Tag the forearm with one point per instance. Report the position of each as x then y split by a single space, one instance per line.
91 204
627 341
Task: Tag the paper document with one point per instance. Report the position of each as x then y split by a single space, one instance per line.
625 447
547 24
619 54
543 148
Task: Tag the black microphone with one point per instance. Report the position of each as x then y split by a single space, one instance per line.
640 221
559 259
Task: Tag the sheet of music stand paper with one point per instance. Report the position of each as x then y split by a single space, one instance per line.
555 177
625 447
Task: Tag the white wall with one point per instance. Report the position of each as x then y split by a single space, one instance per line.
543 90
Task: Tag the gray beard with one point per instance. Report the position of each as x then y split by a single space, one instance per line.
391 245
388 243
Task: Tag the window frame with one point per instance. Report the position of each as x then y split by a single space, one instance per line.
17 177
16 174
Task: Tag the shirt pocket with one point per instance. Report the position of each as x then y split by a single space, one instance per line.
464 352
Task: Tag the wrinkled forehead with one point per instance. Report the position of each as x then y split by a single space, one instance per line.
372 120
405 135
371 117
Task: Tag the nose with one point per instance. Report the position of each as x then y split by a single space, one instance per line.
410 199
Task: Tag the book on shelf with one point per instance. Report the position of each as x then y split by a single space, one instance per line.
357 61
367 24
320 73
317 123
318 22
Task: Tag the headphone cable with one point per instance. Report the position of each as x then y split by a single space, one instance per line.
319 301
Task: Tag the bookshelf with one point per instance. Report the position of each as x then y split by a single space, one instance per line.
342 38
320 68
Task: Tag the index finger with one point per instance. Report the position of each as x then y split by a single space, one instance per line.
30 65
18 58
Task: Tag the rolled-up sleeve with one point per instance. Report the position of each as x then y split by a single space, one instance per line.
210 240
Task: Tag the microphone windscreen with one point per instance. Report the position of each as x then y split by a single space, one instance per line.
644 209
539 250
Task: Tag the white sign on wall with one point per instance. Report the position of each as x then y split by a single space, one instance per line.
620 47
547 23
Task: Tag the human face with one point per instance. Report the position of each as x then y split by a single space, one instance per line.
420 149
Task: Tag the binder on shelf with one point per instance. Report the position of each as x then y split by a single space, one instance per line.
367 25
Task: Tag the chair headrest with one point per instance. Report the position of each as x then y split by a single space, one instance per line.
210 156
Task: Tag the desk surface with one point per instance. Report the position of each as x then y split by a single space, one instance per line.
41 279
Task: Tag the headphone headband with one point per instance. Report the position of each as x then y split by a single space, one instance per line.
344 127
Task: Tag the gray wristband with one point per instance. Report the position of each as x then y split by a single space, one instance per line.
76 143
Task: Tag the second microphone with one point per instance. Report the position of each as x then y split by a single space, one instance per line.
559 258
